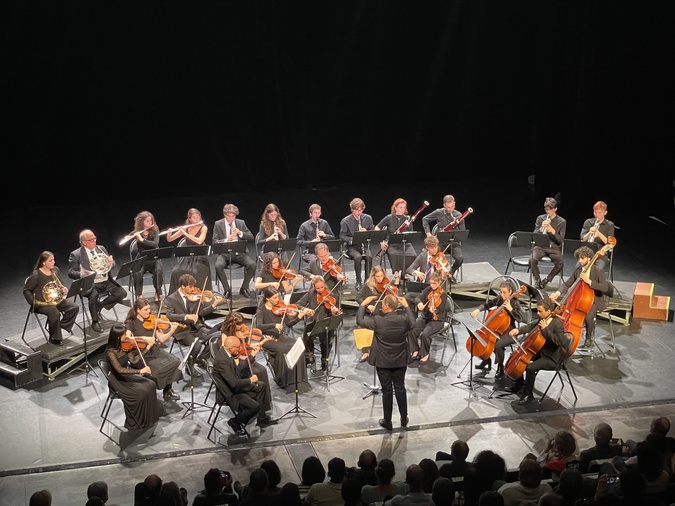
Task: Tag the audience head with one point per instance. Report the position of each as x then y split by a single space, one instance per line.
169 495
491 498
258 481
290 495
336 470
98 489
367 460
430 474
351 492
414 477
602 434
94 501
459 450
153 485
312 471
660 425
443 492
571 485
215 480
41 498
565 443
273 472
529 473
632 485
551 499
445 470
385 471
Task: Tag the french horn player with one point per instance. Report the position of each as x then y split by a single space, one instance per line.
92 258
46 295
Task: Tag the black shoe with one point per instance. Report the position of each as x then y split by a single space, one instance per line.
267 420
537 284
404 422
324 365
358 286
170 395
235 426
56 342
526 399
543 283
385 424
96 327
485 365
515 388
499 374
245 293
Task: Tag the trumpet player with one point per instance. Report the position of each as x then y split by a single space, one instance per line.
597 230
554 226
45 292
92 258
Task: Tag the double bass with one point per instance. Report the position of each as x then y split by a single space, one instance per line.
579 299
495 324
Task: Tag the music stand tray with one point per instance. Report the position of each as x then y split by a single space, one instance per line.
368 237
458 236
229 247
541 240
404 237
283 245
333 245
130 268
192 251
80 287
157 253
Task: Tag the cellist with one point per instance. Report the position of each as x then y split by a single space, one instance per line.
512 307
595 278
550 326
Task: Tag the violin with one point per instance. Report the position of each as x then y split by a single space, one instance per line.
284 273
439 262
245 335
326 299
205 296
387 286
434 300
133 343
151 322
332 267
281 308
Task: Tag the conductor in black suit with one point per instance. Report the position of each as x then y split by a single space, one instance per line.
248 396
389 351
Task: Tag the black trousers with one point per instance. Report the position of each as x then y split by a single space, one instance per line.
393 384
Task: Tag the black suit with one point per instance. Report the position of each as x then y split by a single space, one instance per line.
389 353
220 234
245 398
176 311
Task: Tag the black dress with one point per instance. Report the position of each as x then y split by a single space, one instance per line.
164 365
138 393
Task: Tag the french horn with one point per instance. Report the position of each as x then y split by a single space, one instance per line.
53 292
100 263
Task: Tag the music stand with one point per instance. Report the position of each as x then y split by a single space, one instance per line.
291 358
280 247
368 236
191 406
129 269
450 239
469 383
157 253
321 326
228 248
404 239
192 251
80 287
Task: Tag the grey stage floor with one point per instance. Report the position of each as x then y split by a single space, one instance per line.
51 435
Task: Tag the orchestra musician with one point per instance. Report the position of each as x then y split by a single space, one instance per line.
312 231
273 273
134 385
514 310
273 319
93 258
187 305
598 229
393 222
555 226
423 265
442 217
194 232
146 233
432 309
163 365
252 341
44 291
376 284
595 278
357 221
550 354
325 267
323 305
228 229
272 228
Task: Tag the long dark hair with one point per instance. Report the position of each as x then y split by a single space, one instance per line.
115 336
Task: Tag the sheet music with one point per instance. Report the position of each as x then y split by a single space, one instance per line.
297 351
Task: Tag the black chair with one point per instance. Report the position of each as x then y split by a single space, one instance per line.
43 326
520 244
561 367
112 395
571 246
217 406
447 331
214 346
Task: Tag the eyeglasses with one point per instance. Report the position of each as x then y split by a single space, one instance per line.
91 239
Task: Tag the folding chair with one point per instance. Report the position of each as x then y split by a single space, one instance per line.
112 395
447 331
562 367
43 326
217 406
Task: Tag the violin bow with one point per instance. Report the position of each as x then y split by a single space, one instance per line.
327 295
201 296
159 311
284 269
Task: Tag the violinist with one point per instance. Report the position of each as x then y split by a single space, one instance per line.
194 232
357 221
325 267
393 222
377 284
513 309
554 226
432 310
272 319
146 235
252 342
273 273
163 365
185 306
324 305
426 262
550 354
134 385
312 231
595 278
442 217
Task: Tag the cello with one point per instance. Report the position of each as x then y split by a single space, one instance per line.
495 324
579 299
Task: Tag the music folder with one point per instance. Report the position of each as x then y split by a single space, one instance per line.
228 247
157 253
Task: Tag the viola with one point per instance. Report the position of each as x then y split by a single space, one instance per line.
495 324
151 322
246 335
133 343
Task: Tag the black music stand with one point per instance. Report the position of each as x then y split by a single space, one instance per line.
191 406
192 251
129 269
365 238
291 358
321 326
228 248
403 238
280 247
469 383
157 253
80 287
450 239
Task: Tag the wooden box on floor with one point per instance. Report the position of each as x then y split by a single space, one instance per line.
647 305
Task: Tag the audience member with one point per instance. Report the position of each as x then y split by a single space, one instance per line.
603 449
488 472
491 498
443 492
330 492
312 472
570 487
41 498
146 492
351 492
657 436
430 474
290 495
258 493
215 484
529 486
273 476
364 473
414 478
550 499
98 489
385 488
170 494
558 453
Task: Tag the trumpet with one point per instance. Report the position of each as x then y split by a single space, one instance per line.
181 227
545 225
591 235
